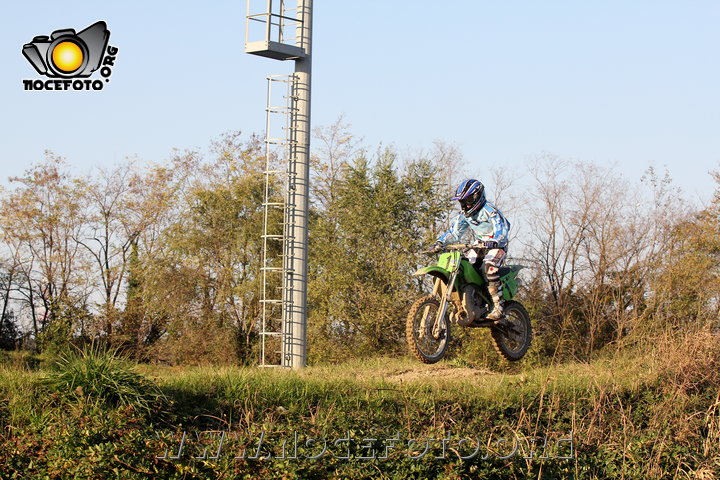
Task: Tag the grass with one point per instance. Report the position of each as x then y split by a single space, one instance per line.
632 414
101 375
18 390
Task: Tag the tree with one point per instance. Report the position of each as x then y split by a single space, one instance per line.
9 334
363 253
8 329
123 204
337 148
685 293
203 279
110 233
43 217
596 243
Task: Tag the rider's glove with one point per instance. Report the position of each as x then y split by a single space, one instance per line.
491 244
436 247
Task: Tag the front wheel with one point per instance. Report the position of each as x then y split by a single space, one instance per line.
512 338
427 341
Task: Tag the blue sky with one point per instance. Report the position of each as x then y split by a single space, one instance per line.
624 83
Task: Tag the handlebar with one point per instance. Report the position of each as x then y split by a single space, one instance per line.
453 247
461 247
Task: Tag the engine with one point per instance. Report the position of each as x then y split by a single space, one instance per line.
473 306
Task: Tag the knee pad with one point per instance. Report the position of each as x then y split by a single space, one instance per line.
491 272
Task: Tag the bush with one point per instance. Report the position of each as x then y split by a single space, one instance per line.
99 374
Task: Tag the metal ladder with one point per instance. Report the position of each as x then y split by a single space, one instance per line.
278 208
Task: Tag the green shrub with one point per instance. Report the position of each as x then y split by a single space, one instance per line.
98 374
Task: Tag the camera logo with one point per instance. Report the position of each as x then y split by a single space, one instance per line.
66 55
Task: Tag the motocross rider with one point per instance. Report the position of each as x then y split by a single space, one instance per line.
489 229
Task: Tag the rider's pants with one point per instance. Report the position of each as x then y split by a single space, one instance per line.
491 263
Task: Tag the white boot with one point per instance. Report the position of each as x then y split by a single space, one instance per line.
497 312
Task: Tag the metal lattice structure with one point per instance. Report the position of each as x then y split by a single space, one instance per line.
285 34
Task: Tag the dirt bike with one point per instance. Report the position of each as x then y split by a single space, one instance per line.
460 296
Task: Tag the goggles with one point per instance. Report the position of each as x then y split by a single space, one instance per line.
468 202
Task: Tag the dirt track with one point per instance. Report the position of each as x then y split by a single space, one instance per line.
425 372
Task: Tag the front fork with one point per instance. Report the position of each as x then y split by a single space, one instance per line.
444 300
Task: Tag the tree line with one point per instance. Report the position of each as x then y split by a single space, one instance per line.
163 260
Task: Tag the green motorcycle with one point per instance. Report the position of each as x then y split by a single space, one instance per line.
460 296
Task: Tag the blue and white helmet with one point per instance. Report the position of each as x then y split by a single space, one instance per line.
471 195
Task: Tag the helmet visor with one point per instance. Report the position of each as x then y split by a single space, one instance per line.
468 202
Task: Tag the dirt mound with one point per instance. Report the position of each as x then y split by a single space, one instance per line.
440 372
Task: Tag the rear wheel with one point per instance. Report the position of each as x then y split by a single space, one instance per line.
512 338
427 342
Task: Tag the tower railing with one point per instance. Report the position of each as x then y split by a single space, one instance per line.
273 32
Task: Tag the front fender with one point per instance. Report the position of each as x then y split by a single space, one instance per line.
434 271
444 276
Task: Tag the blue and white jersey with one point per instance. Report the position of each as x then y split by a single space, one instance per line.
488 224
